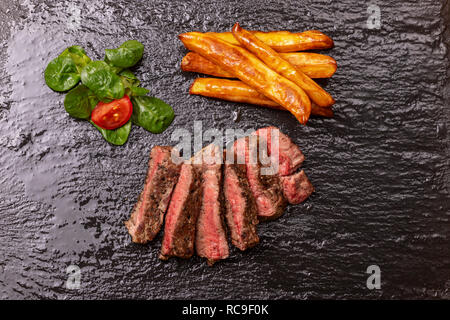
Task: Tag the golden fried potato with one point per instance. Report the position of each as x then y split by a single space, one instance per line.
194 62
274 61
249 69
237 91
285 41
313 65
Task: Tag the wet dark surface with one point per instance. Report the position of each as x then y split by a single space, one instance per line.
380 167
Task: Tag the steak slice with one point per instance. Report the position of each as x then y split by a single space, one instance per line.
297 187
211 239
241 209
289 155
148 213
266 189
181 217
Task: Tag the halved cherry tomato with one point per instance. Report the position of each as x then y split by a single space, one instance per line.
112 115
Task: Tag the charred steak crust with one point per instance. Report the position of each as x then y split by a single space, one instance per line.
148 213
183 236
247 237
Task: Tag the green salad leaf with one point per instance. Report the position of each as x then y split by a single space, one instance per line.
129 79
114 69
62 74
106 81
105 84
131 84
78 55
117 136
128 74
80 101
151 113
127 55
136 91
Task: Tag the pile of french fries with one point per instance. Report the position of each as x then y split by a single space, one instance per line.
271 71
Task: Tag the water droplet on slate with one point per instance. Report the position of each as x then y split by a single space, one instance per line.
441 130
237 115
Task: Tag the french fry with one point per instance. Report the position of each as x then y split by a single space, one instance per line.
320 111
237 91
249 69
314 65
194 62
273 60
285 41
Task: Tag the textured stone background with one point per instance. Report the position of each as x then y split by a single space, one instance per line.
380 167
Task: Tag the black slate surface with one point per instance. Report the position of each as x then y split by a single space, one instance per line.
380 166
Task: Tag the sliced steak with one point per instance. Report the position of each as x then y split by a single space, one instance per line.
211 239
241 209
266 189
297 188
148 213
181 217
289 155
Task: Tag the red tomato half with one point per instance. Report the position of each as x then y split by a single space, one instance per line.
112 115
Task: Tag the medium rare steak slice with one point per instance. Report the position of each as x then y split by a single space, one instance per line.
181 217
297 188
211 239
266 189
148 213
241 209
289 154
